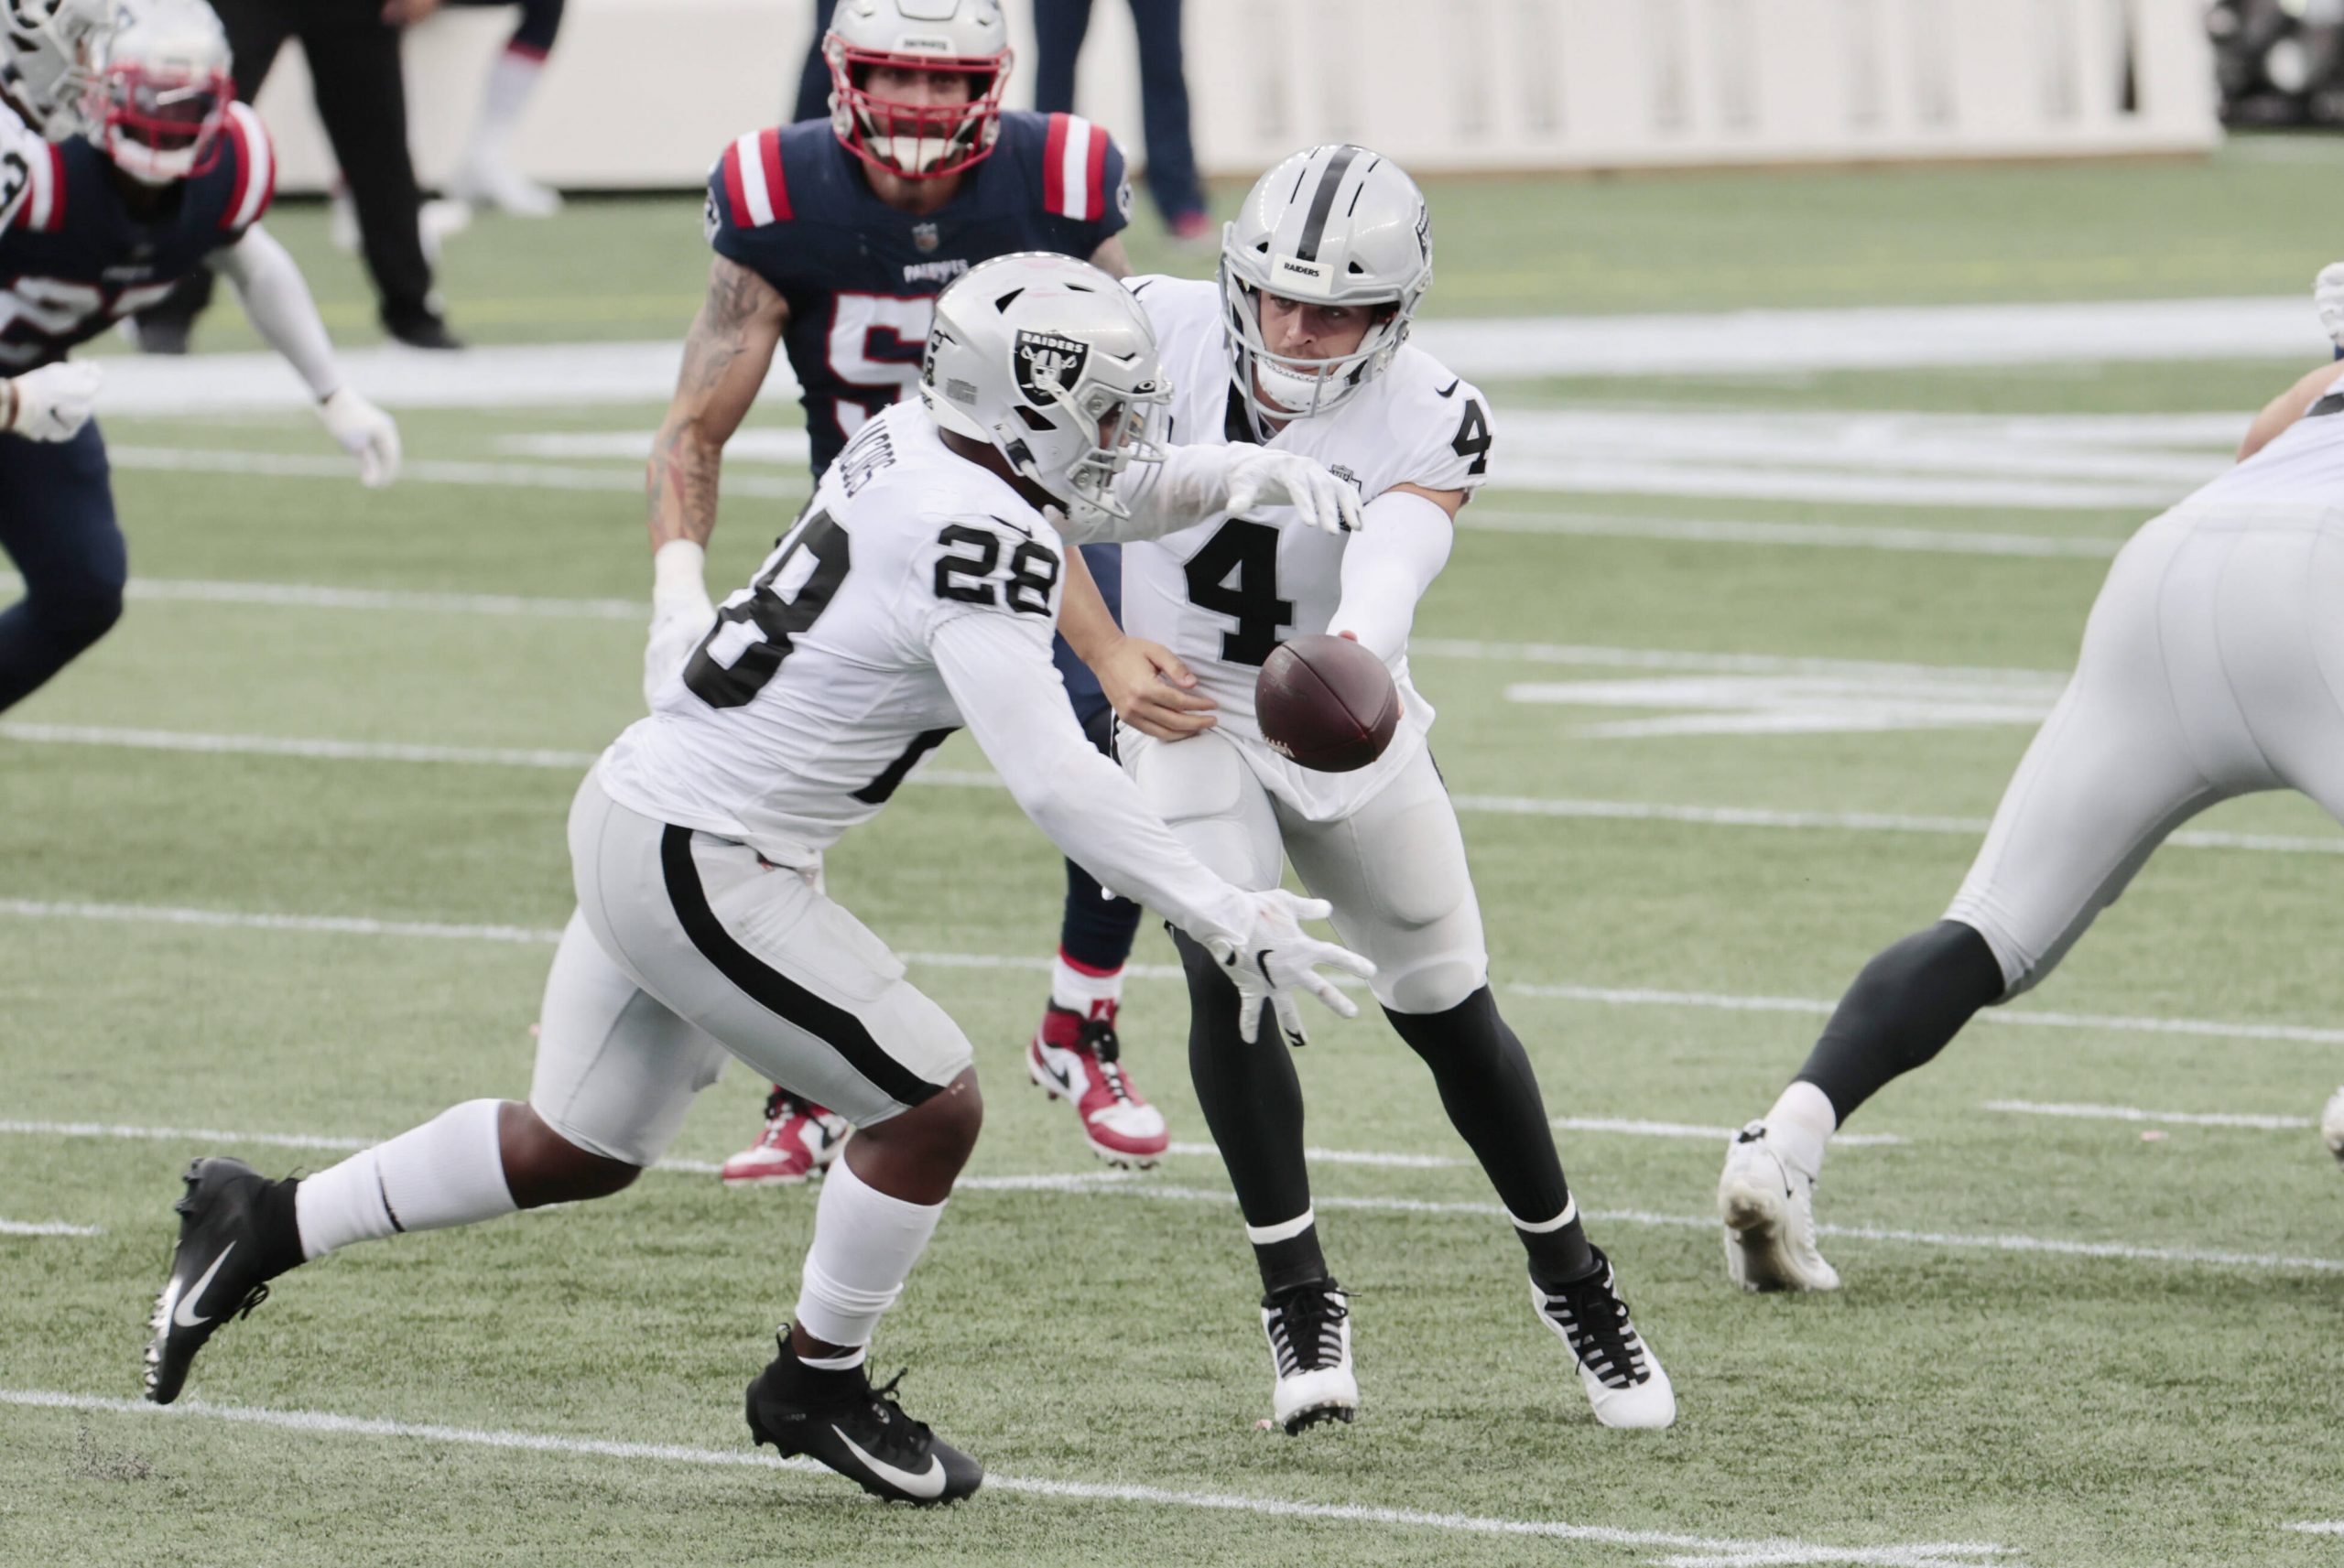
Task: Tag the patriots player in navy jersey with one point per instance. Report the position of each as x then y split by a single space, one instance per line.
832 239
172 176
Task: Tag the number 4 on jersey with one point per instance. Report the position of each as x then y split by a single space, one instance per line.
1473 437
1236 575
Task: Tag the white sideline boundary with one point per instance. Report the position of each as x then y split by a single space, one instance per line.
1610 996
46 1227
1692 1551
314 749
1135 1184
2168 1117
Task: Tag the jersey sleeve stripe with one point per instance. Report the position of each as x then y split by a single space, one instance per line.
255 168
1094 177
1080 134
777 184
752 180
1054 165
45 207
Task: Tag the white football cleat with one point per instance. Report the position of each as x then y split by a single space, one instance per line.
2331 1125
1309 1330
486 181
1622 1377
1768 1206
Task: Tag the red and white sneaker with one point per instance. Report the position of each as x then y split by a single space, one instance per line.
800 1138
1081 1058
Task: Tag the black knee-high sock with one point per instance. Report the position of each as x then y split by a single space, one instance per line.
1252 1102
1903 1008
1491 1098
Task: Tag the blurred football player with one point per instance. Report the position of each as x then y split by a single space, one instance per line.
915 594
2212 667
1302 347
832 239
171 176
486 176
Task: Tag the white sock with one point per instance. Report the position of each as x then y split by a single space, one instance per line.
1078 990
865 1246
510 81
1800 1124
449 1171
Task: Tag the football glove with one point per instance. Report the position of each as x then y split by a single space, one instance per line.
366 433
1277 958
2327 298
1258 477
53 403
681 614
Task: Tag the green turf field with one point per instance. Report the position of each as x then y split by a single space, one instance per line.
2064 1342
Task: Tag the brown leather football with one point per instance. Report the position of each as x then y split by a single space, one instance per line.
1325 703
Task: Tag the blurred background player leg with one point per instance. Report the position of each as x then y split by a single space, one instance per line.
58 525
814 78
361 89
487 177
1075 1051
1060 27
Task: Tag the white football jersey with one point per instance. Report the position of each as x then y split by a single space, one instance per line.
818 691
2302 466
21 151
1225 592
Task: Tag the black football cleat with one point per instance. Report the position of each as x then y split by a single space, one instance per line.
236 1231
838 1418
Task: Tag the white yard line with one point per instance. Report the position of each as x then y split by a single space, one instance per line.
1133 1184
312 748
1802 536
1609 996
507 475
1638 1128
2134 1113
1693 1551
46 1227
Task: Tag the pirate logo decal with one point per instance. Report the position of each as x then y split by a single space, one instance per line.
1047 363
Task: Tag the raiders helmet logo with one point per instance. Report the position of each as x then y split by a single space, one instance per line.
1047 362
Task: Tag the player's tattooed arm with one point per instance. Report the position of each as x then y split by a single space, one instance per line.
1111 259
2286 408
1145 683
726 356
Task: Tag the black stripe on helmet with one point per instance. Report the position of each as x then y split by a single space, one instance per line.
1322 201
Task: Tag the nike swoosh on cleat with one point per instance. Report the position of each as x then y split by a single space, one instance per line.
927 1485
180 1313
1064 1080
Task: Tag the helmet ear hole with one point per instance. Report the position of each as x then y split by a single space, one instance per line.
1033 421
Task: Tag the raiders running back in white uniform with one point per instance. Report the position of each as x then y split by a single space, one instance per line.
1301 346
2212 667
916 594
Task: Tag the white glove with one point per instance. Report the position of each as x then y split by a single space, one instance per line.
1277 958
53 403
2327 299
1258 477
366 433
680 612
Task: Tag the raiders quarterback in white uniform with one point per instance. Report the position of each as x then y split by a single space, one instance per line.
2212 667
1302 346
917 594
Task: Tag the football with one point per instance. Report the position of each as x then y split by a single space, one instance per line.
1325 703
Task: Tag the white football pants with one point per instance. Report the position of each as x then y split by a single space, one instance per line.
687 947
1394 869
2212 667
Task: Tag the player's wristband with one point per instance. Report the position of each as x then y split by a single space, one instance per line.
679 576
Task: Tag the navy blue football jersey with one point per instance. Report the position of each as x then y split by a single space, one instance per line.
77 260
861 278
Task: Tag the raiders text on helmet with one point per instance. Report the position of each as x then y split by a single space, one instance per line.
918 141
1053 364
1335 225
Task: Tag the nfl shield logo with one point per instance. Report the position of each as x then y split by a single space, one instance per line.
1047 362
924 235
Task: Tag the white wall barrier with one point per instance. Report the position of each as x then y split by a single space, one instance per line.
643 93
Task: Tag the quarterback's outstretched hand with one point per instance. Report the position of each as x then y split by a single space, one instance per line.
366 433
1151 690
2327 298
1278 957
53 403
1260 478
